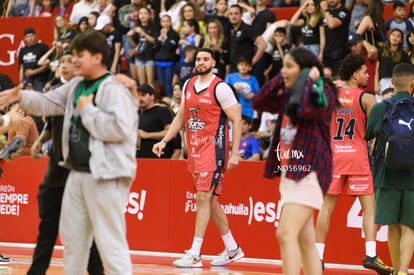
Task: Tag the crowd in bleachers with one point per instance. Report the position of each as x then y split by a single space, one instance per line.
154 42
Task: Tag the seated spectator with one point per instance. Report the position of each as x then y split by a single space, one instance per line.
387 93
265 131
246 85
82 9
92 19
83 25
249 146
410 46
184 70
62 29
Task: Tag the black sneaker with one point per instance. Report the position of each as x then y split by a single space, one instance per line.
4 259
375 263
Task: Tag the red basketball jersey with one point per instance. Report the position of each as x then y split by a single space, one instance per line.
349 149
206 128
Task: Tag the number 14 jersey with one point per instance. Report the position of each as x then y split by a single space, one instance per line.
349 149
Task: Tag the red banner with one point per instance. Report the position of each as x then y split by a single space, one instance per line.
161 211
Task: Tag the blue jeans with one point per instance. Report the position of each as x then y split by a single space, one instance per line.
315 48
165 75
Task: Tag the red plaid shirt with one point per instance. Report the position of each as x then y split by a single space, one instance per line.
312 139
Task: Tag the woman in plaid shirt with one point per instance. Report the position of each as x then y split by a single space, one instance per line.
300 152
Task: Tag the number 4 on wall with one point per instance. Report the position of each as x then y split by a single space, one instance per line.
354 220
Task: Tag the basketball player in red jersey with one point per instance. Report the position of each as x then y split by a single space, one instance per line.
208 103
351 165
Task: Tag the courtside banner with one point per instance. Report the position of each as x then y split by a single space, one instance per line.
161 211
12 40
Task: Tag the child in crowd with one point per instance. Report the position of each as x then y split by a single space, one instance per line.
399 21
190 36
176 98
245 84
184 70
280 49
249 148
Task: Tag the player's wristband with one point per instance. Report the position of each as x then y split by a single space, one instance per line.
6 120
164 140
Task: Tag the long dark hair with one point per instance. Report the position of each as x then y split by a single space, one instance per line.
306 59
376 12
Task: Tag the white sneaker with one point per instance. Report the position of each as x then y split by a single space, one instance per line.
189 260
228 256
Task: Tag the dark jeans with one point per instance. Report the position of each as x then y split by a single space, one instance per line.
165 75
50 201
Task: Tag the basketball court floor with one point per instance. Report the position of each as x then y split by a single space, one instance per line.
161 263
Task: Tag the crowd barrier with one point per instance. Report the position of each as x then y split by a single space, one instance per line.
161 211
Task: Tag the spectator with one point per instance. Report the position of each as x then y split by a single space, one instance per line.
165 46
174 11
176 98
83 25
387 93
142 39
411 13
104 7
82 9
358 45
92 19
372 24
393 188
122 22
263 17
388 57
249 146
52 57
265 131
62 30
242 41
29 56
190 36
336 25
66 7
410 44
154 122
191 11
246 85
309 18
48 9
17 8
248 11
215 40
280 49
184 70
357 10
114 40
399 21
221 15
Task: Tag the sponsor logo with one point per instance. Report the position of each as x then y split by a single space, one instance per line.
136 203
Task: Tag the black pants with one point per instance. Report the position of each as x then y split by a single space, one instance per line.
50 202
